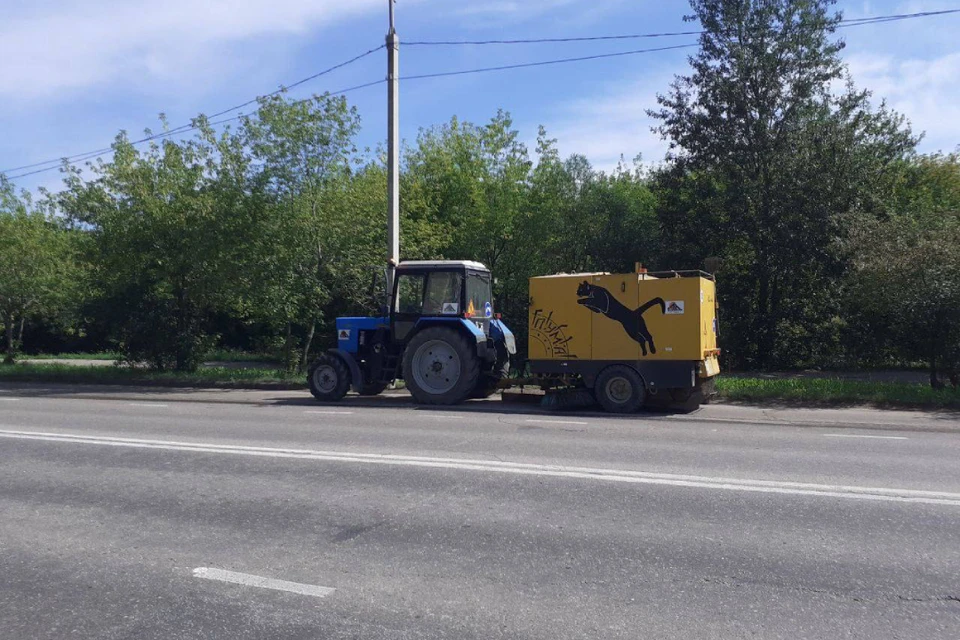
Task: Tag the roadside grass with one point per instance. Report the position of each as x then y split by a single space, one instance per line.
105 355
832 391
796 391
235 355
216 355
215 377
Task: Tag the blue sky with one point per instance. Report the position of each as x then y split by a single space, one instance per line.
73 74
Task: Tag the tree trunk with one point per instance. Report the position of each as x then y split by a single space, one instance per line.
306 347
288 359
181 341
23 319
9 357
935 349
934 379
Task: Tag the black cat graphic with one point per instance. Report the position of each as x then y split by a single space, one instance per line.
599 300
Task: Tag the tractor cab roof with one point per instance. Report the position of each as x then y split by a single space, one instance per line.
441 264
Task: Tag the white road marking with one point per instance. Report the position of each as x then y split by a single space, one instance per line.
250 580
147 404
557 422
9 399
517 468
330 413
843 435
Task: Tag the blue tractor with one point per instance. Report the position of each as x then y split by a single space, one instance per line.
440 336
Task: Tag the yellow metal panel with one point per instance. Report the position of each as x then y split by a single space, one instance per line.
559 328
673 317
623 317
708 316
613 301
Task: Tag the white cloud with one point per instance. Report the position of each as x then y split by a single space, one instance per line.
507 6
927 92
613 123
52 48
923 86
495 13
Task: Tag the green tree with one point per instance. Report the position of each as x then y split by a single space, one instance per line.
602 222
465 192
474 193
765 155
37 265
160 234
904 289
470 181
311 237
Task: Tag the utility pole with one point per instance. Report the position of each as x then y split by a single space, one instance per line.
393 150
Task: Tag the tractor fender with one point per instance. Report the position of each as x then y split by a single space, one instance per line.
461 324
486 349
356 376
500 333
474 330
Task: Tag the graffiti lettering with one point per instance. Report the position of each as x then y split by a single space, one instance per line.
551 335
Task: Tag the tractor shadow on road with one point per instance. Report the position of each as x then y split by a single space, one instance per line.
391 400
403 402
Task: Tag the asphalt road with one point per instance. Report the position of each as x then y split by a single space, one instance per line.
173 515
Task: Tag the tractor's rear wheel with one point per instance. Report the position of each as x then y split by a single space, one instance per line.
329 378
620 389
440 366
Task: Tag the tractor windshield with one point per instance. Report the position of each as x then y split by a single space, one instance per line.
479 295
443 293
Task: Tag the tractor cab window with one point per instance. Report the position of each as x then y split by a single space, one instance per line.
479 295
410 294
443 293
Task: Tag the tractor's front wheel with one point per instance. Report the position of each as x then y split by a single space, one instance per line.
440 366
329 378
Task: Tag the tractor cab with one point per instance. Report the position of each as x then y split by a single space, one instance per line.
440 335
441 290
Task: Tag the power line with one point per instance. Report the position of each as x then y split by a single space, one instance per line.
544 63
303 81
191 127
852 22
188 127
855 22
555 40
180 130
